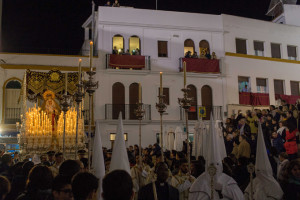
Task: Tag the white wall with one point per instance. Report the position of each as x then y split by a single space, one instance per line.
292 14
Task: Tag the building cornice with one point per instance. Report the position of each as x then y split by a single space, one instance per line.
160 26
261 58
42 67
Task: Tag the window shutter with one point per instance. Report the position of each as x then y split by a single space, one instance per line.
295 88
292 51
261 82
278 87
162 48
275 50
241 46
259 46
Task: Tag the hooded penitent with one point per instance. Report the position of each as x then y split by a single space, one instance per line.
119 158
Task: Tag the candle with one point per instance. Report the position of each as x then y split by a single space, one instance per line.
91 55
161 88
140 93
66 83
79 73
184 74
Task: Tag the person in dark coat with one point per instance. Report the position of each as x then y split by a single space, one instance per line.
292 186
160 187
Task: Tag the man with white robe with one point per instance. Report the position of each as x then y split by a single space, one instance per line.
264 184
224 186
199 136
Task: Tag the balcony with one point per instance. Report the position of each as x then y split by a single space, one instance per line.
200 65
129 62
12 115
128 111
194 112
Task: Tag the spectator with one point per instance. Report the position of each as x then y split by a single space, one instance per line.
244 128
120 181
195 55
292 187
188 54
39 184
4 187
244 147
108 4
115 50
51 158
7 161
62 189
291 145
85 186
69 168
116 4
58 161
252 121
282 167
277 142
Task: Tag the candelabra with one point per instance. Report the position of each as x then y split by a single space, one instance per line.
251 169
161 108
65 101
185 103
212 170
140 112
90 86
78 98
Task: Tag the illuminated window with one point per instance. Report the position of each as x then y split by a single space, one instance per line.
204 45
118 43
134 45
189 46
244 84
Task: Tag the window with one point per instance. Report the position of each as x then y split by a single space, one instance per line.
118 100
275 50
189 46
241 46
204 45
292 52
295 88
261 84
278 87
118 44
162 48
243 84
134 45
259 48
166 93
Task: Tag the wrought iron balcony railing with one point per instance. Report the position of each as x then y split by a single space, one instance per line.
128 111
12 115
194 112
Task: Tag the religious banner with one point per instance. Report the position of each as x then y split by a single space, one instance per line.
260 99
200 65
127 61
290 99
202 112
38 82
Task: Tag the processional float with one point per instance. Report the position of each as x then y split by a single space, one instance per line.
56 126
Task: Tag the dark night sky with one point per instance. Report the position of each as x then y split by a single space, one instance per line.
38 25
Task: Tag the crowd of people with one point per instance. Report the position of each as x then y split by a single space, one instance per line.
164 175
115 4
204 54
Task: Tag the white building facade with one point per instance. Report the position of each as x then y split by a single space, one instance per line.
246 49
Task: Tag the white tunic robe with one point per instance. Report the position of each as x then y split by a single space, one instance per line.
200 190
265 189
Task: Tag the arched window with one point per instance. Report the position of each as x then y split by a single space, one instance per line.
192 93
189 46
206 97
135 45
204 45
118 43
12 106
118 100
133 99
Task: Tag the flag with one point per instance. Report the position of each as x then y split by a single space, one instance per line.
98 159
119 158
